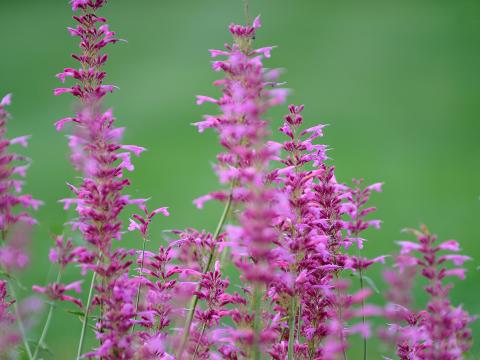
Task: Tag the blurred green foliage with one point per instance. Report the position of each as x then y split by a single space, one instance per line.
397 81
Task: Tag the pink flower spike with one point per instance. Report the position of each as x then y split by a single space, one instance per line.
22 140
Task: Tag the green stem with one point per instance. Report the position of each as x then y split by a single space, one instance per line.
199 339
246 12
291 325
137 300
41 340
20 323
363 316
256 322
360 273
85 316
193 306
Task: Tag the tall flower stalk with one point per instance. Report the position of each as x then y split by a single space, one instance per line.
441 330
245 98
13 222
99 156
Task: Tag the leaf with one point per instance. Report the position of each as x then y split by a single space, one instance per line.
369 281
77 313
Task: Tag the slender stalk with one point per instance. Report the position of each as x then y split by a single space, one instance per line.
20 324
360 274
137 300
85 316
245 11
193 306
256 355
291 325
299 319
363 316
199 339
41 340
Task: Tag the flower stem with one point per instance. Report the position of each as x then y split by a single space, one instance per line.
193 306
246 12
256 322
199 340
20 324
137 300
85 316
41 340
291 325
363 315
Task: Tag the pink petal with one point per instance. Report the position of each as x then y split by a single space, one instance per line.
257 23
137 150
6 100
162 210
22 140
201 99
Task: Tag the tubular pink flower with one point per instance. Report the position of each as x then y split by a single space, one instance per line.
441 330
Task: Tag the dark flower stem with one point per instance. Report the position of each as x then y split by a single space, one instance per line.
85 316
256 321
41 340
15 308
20 324
191 312
199 340
292 322
137 300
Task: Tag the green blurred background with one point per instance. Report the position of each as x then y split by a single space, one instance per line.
397 81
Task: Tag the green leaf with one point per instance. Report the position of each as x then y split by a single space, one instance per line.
369 281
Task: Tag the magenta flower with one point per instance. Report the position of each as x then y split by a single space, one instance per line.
97 153
441 330
11 173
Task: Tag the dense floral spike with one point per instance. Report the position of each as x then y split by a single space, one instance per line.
312 246
102 160
246 96
12 166
440 331
248 91
15 228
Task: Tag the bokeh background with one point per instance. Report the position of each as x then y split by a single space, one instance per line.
398 82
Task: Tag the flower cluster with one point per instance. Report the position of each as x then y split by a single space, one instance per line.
99 156
14 223
440 331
